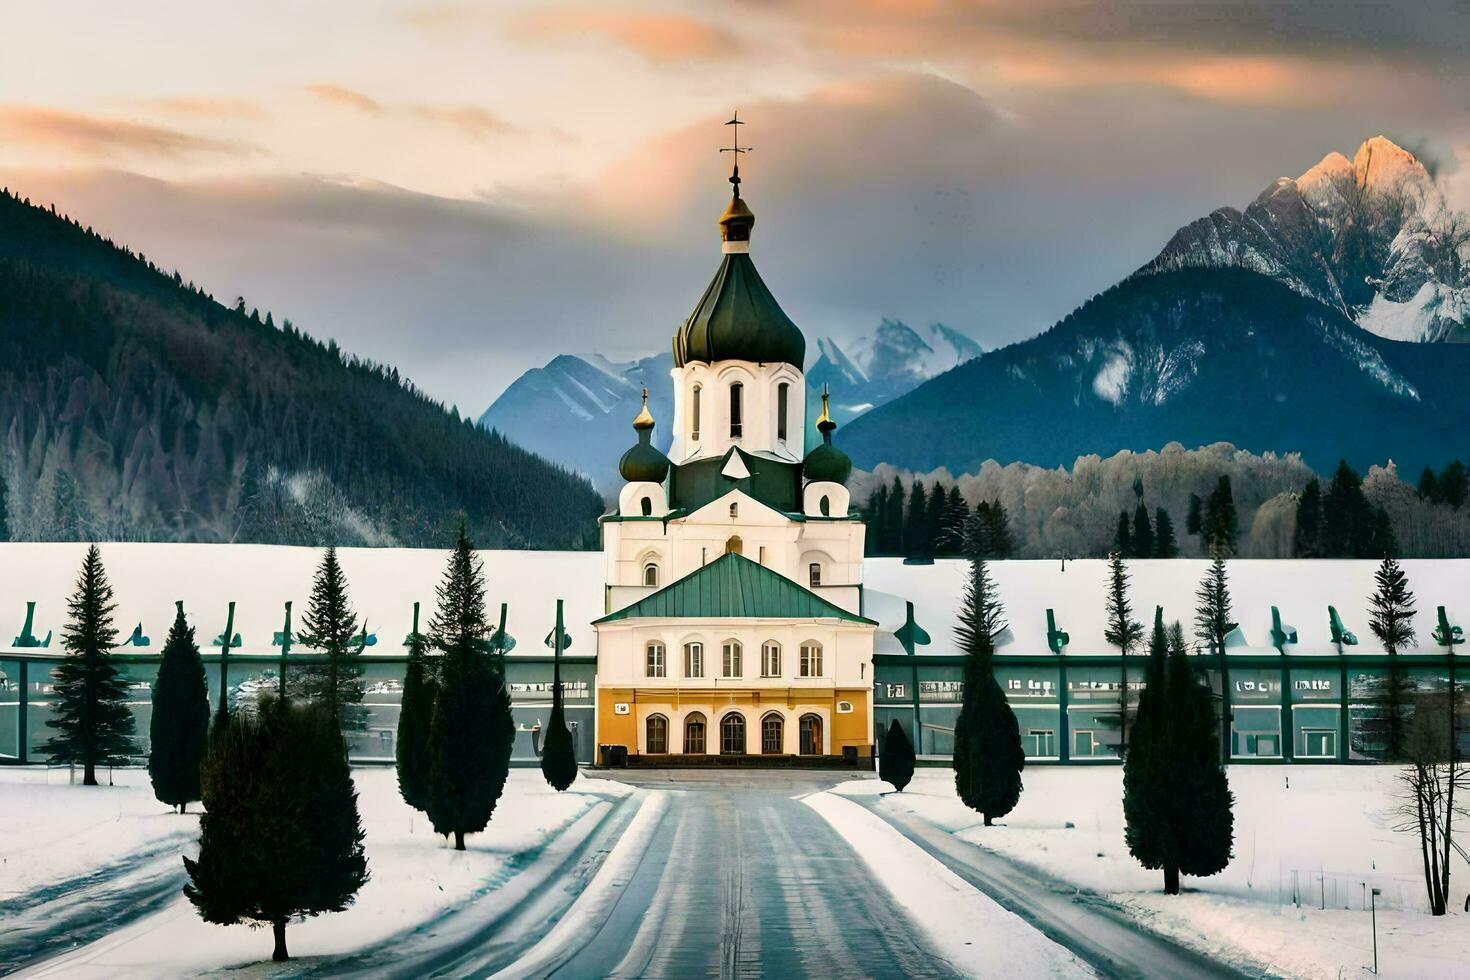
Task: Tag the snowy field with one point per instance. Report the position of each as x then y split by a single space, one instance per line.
1323 839
52 833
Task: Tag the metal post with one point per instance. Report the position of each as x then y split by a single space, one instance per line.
285 648
1373 913
224 664
23 743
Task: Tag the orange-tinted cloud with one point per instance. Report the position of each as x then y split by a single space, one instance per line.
205 105
662 38
346 97
95 136
472 121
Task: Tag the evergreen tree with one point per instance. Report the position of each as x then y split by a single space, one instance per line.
956 517
1350 526
1143 534
1212 623
1193 520
1221 525
416 710
1307 539
1165 546
916 525
93 724
1451 484
1123 632
1123 539
330 627
281 836
999 541
875 513
934 520
471 731
893 519
896 766
558 753
988 755
1428 486
179 728
1176 799
1391 618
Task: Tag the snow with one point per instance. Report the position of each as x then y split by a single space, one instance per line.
1413 320
1307 833
1111 381
968 928
416 875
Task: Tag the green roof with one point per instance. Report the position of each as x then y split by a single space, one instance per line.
738 319
734 587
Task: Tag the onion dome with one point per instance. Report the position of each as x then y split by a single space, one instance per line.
644 463
826 463
737 318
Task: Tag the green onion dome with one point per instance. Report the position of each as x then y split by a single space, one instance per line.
826 463
644 463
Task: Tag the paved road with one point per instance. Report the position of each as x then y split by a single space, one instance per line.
741 880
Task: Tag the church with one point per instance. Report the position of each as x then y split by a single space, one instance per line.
733 620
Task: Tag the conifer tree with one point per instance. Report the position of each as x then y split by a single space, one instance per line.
988 755
558 753
1143 534
1123 539
417 708
1221 525
952 530
281 836
1307 538
330 627
915 525
94 726
896 766
1194 520
893 519
179 728
934 519
1428 488
1391 618
1123 632
1452 484
999 541
471 733
1212 622
1165 544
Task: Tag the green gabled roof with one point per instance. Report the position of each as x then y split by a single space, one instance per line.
734 587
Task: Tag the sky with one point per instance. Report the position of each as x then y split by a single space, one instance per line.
467 190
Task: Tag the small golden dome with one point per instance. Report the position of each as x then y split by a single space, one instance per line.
736 222
645 417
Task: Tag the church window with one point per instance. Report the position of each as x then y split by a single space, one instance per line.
811 660
734 511
737 410
772 730
814 574
694 734
658 735
771 659
824 506
656 664
783 392
732 734
647 506
734 545
732 655
694 660
694 413
650 574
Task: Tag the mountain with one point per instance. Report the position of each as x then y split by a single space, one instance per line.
134 406
578 409
1373 238
1196 355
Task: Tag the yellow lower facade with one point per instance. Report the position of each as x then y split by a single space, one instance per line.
738 721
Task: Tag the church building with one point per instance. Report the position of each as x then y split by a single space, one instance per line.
734 567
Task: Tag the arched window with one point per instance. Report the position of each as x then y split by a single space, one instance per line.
656 740
733 545
657 665
694 413
824 506
773 730
694 660
650 574
811 659
694 734
732 658
814 574
734 509
771 659
783 392
732 734
737 409
810 727
647 506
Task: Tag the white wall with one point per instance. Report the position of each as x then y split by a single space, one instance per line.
758 432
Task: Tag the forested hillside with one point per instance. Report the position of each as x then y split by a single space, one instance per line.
134 406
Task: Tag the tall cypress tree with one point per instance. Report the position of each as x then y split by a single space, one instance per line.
1143 533
179 728
934 519
471 733
330 627
412 746
1123 632
896 762
1391 618
988 755
1165 545
558 753
93 724
1307 539
281 836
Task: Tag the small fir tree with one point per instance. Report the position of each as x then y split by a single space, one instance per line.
93 724
1428 488
412 748
1123 632
558 753
1143 533
330 627
1212 622
988 756
1165 545
179 728
896 766
998 531
1221 526
281 836
1193 518
1391 618
916 524
1123 537
1307 538
471 732
1451 485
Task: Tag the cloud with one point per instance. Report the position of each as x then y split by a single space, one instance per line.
349 98
205 105
472 121
661 38
98 137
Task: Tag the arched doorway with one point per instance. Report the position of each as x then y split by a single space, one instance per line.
811 735
733 545
656 740
773 732
694 734
732 734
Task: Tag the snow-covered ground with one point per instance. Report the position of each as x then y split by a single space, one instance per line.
51 832
1304 836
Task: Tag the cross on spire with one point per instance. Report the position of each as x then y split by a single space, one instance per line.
736 149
